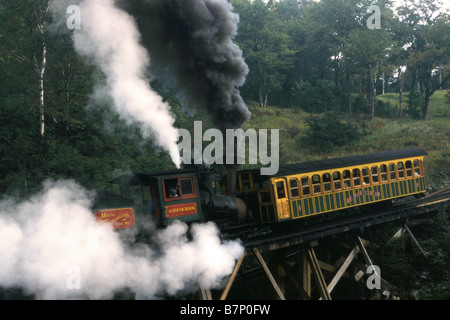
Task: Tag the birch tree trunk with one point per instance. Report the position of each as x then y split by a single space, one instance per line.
349 92
373 92
400 93
263 94
42 11
41 88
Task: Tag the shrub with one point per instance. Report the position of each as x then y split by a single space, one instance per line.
329 132
385 109
415 102
360 104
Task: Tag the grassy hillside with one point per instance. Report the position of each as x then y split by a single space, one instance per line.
373 135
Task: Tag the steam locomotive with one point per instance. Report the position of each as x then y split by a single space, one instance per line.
245 197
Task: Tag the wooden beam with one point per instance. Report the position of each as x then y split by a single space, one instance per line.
342 269
280 278
364 252
293 280
415 241
318 276
331 268
399 233
269 274
306 273
206 294
232 277
384 283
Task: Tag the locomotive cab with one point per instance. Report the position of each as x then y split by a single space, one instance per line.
177 197
164 196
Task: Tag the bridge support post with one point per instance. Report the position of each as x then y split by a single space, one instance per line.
206 294
343 268
415 240
232 277
318 276
269 274
305 272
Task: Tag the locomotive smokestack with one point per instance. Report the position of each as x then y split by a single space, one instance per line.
231 178
231 165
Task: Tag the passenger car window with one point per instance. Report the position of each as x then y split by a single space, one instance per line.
392 171
383 172
326 178
293 184
356 177
337 180
374 174
316 183
305 186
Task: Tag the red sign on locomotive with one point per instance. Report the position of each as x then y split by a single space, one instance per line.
183 209
118 218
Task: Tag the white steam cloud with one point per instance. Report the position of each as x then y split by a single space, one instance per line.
110 37
52 247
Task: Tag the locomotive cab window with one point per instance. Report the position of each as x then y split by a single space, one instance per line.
179 188
264 197
186 186
245 181
171 188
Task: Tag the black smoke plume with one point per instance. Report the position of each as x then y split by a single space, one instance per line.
191 49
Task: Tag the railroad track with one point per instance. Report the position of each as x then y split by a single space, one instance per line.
298 234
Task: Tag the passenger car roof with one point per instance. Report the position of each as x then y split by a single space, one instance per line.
317 165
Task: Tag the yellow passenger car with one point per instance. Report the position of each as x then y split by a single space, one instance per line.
316 187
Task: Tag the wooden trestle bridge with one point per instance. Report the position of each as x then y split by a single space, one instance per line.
293 259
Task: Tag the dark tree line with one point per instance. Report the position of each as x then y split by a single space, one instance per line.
319 55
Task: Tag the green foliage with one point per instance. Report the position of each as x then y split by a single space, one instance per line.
414 275
447 97
360 104
328 132
321 97
385 109
415 102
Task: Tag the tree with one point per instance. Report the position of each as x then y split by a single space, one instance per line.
368 49
28 20
429 46
265 47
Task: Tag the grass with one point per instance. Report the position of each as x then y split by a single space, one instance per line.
381 134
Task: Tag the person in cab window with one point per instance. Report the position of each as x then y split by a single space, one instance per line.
173 191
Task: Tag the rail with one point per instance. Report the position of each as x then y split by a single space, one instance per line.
300 235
